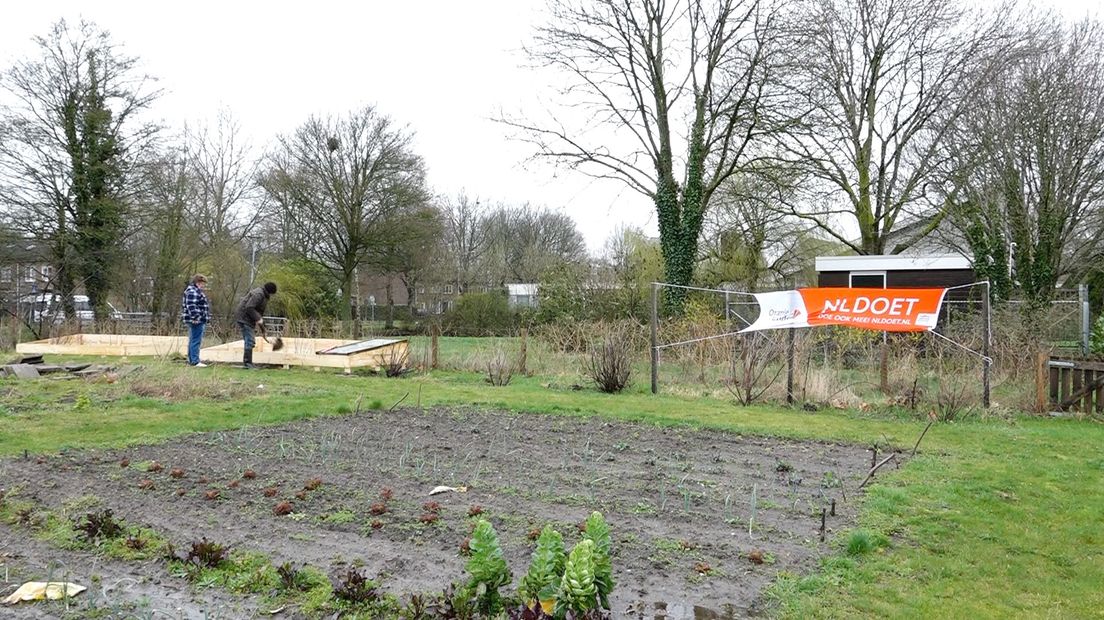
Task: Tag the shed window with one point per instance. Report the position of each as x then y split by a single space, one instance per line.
867 279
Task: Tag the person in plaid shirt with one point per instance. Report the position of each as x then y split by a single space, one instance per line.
195 312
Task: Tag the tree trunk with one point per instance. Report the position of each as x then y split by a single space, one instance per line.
390 306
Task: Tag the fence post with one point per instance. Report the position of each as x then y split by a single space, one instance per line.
986 362
883 368
1042 382
434 331
655 338
524 350
1086 328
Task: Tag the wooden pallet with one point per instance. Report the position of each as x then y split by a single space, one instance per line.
371 355
107 344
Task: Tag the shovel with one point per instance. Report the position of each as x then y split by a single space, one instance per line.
277 344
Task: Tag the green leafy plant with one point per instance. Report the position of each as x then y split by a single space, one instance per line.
545 568
487 568
598 532
578 592
1096 339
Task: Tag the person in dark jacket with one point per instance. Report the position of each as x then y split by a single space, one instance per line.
195 311
250 316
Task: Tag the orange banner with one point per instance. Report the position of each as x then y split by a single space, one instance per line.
881 309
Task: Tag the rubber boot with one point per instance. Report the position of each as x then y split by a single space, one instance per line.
247 359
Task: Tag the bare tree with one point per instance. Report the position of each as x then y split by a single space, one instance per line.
1032 153
748 236
411 250
526 242
169 192
878 84
467 237
72 141
660 77
337 181
225 174
634 262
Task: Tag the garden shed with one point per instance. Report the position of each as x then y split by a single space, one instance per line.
894 271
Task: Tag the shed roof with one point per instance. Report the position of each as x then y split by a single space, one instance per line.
894 262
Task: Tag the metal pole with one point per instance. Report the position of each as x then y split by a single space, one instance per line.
985 362
655 338
790 367
1086 329
252 261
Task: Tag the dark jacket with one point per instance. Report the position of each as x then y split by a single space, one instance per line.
252 306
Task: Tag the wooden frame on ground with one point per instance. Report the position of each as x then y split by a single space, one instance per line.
369 354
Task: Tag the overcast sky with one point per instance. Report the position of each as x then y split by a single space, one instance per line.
444 67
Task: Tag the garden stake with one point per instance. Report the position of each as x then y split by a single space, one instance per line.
822 513
930 422
870 476
399 401
833 507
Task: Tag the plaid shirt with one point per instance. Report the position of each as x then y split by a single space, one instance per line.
194 306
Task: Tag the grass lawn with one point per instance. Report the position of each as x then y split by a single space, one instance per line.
993 518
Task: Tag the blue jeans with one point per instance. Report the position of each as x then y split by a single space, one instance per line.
247 335
195 339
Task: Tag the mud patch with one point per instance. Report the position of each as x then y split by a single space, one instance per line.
698 517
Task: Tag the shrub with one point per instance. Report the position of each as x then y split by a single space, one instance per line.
609 364
480 314
499 368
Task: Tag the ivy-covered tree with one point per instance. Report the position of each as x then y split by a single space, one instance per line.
71 145
676 93
1032 147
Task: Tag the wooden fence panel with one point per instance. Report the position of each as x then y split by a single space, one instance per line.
1073 384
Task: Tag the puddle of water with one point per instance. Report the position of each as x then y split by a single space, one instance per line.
681 610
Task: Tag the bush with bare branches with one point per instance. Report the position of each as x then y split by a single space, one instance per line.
500 369
609 362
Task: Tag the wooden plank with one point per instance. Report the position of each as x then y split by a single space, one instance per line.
1055 383
1042 381
1080 363
1100 396
1086 399
107 344
1067 384
1075 388
1079 394
303 352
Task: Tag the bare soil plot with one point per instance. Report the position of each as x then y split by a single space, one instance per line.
678 501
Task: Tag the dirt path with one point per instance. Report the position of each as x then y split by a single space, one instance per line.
678 501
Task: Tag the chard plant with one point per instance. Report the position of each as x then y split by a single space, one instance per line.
578 592
545 569
487 568
598 532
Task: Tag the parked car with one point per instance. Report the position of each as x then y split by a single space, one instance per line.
46 308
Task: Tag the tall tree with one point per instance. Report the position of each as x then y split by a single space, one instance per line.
337 181
72 143
747 235
467 237
878 84
682 85
169 191
1033 143
525 242
225 173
